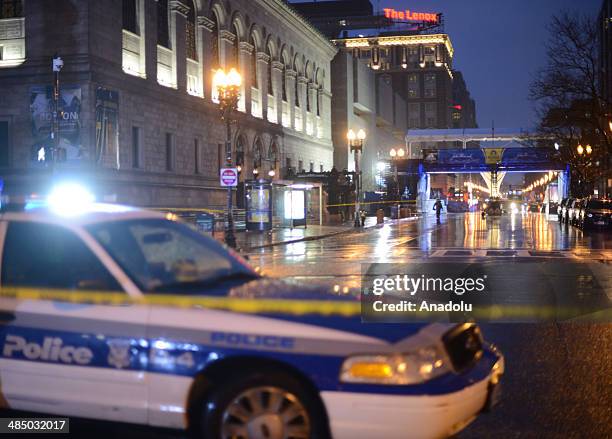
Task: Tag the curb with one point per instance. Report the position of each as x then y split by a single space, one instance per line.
326 235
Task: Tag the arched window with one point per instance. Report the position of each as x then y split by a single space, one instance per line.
296 86
214 37
269 73
257 153
130 16
284 82
11 9
190 34
234 61
254 63
240 147
163 32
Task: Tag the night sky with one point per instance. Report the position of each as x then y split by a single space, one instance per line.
499 45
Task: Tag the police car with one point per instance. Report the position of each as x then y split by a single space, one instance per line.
220 373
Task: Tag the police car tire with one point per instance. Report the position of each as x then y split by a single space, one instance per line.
209 424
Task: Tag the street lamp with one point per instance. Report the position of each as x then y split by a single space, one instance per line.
588 149
356 142
556 146
227 86
580 149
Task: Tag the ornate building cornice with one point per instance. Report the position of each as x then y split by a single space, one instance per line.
262 56
291 73
278 65
226 35
179 7
246 47
206 23
302 79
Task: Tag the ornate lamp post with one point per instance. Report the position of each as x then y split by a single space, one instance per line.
397 154
227 86
356 142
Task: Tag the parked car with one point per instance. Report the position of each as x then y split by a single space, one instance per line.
595 213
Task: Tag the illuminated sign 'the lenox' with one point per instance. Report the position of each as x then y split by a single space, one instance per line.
409 15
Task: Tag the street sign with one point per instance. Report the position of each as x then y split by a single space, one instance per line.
228 177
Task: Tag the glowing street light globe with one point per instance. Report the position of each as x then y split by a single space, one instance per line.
400 152
588 149
580 149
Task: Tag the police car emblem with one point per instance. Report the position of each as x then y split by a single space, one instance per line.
119 353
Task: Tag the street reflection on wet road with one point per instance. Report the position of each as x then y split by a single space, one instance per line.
340 257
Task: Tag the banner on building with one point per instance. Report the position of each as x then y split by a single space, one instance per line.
69 106
107 127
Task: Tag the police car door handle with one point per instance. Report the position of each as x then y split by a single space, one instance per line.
6 317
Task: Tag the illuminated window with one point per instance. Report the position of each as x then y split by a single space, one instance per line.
12 33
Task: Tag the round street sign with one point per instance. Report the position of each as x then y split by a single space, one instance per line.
228 177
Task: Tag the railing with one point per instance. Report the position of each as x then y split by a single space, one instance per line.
272 115
256 102
165 72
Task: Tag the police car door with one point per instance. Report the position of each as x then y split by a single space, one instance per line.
79 359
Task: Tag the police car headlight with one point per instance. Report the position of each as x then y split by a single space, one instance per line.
409 368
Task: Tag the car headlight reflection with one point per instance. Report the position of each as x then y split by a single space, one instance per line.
409 368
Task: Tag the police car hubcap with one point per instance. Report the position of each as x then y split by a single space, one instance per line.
265 413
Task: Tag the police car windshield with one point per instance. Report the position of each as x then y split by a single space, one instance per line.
162 255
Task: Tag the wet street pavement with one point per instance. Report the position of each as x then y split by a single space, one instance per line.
558 381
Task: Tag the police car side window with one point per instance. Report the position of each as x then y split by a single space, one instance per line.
50 256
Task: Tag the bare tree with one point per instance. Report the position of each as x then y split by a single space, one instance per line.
569 102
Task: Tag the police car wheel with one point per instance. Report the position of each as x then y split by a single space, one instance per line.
262 406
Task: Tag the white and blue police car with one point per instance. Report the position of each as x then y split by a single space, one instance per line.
217 372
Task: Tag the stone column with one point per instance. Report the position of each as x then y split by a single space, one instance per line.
246 51
205 27
262 63
291 78
178 21
277 80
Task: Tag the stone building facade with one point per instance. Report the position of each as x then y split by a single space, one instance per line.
139 113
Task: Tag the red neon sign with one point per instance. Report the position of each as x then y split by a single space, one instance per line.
408 15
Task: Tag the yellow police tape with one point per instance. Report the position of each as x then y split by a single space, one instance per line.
235 304
302 307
